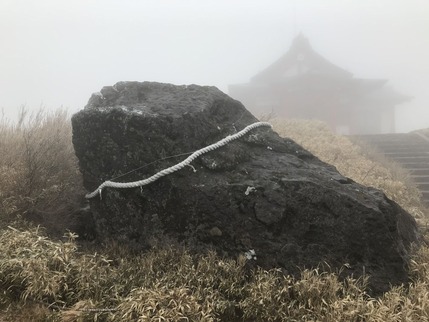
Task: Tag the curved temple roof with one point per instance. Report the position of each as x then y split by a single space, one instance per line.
300 59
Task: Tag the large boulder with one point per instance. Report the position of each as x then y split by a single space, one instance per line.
260 192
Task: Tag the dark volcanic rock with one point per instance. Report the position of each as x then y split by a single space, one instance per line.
260 192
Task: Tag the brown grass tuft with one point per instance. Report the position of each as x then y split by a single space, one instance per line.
38 167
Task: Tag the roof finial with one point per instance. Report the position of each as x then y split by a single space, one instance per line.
301 41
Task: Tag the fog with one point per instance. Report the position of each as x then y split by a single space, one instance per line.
56 53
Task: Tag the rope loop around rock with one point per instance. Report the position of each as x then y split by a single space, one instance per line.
174 168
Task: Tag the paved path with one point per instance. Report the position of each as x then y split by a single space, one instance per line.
410 150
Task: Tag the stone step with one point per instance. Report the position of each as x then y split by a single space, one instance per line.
397 143
409 150
420 179
415 165
388 139
396 138
401 154
412 146
402 149
419 172
423 186
411 159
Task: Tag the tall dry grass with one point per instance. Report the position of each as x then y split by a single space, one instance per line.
38 168
57 280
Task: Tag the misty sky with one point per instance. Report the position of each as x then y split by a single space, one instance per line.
57 52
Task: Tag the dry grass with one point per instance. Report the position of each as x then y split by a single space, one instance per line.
46 280
40 177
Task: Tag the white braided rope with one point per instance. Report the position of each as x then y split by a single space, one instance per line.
178 166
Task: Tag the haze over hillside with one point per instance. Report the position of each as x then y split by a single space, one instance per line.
56 53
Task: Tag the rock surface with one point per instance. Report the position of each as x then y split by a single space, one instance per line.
259 192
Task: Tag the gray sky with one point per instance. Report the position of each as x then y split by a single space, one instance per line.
57 52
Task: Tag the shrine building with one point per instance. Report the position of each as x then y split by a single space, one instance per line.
303 84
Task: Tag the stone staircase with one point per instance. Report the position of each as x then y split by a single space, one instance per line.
410 150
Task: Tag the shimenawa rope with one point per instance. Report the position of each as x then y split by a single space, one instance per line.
174 168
